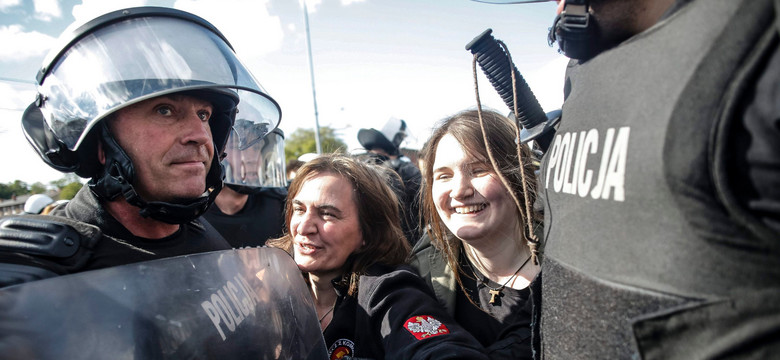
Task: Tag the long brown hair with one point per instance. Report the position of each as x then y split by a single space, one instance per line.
500 135
377 207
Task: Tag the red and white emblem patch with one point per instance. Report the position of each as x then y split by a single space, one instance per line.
342 349
425 326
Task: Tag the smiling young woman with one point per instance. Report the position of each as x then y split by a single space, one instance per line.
474 254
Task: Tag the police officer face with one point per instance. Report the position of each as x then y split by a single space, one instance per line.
324 224
169 141
469 197
252 164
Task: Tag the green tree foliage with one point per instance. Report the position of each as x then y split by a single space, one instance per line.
71 182
65 180
67 192
37 188
302 141
5 191
17 188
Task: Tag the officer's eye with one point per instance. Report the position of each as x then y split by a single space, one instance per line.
164 110
204 115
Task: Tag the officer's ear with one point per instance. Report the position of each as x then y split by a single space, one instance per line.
100 153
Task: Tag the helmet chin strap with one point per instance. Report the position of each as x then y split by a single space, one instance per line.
575 31
117 177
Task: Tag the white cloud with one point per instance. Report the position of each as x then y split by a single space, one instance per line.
350 2
311 5
248 26
16 96
90 9
547 83
46 10
7 4
20 161
19 45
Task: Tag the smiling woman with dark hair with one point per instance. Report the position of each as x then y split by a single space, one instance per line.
475 256
344 234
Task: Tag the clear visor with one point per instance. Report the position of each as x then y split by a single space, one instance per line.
141 58
256 163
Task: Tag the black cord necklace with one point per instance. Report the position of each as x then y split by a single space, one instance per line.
326 314
496 291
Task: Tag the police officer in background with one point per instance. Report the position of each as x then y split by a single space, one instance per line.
255 187
661 188
384 148
141 101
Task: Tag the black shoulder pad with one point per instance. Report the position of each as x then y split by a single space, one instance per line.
34 247
45 235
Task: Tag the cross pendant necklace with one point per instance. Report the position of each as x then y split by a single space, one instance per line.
494 293
497 292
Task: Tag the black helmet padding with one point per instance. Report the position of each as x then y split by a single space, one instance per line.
52 151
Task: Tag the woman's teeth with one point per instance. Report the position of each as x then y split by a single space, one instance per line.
469 209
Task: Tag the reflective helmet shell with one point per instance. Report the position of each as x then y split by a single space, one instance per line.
125 57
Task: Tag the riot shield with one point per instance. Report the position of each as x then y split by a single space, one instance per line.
235 304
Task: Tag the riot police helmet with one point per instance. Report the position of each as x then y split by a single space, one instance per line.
126 57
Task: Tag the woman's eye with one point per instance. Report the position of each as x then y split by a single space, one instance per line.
480 170
298 210
204 115
441 176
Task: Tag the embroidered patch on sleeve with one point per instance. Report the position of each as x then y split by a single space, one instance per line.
425 326
342 349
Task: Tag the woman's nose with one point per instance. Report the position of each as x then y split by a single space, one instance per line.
461 187
305 224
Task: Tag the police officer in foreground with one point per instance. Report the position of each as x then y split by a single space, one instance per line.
662 184
141 102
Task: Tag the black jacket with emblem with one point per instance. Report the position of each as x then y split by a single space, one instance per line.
394 316
515 342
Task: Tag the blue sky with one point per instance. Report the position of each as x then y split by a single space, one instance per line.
373 59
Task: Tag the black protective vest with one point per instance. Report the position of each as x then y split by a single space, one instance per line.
647 253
